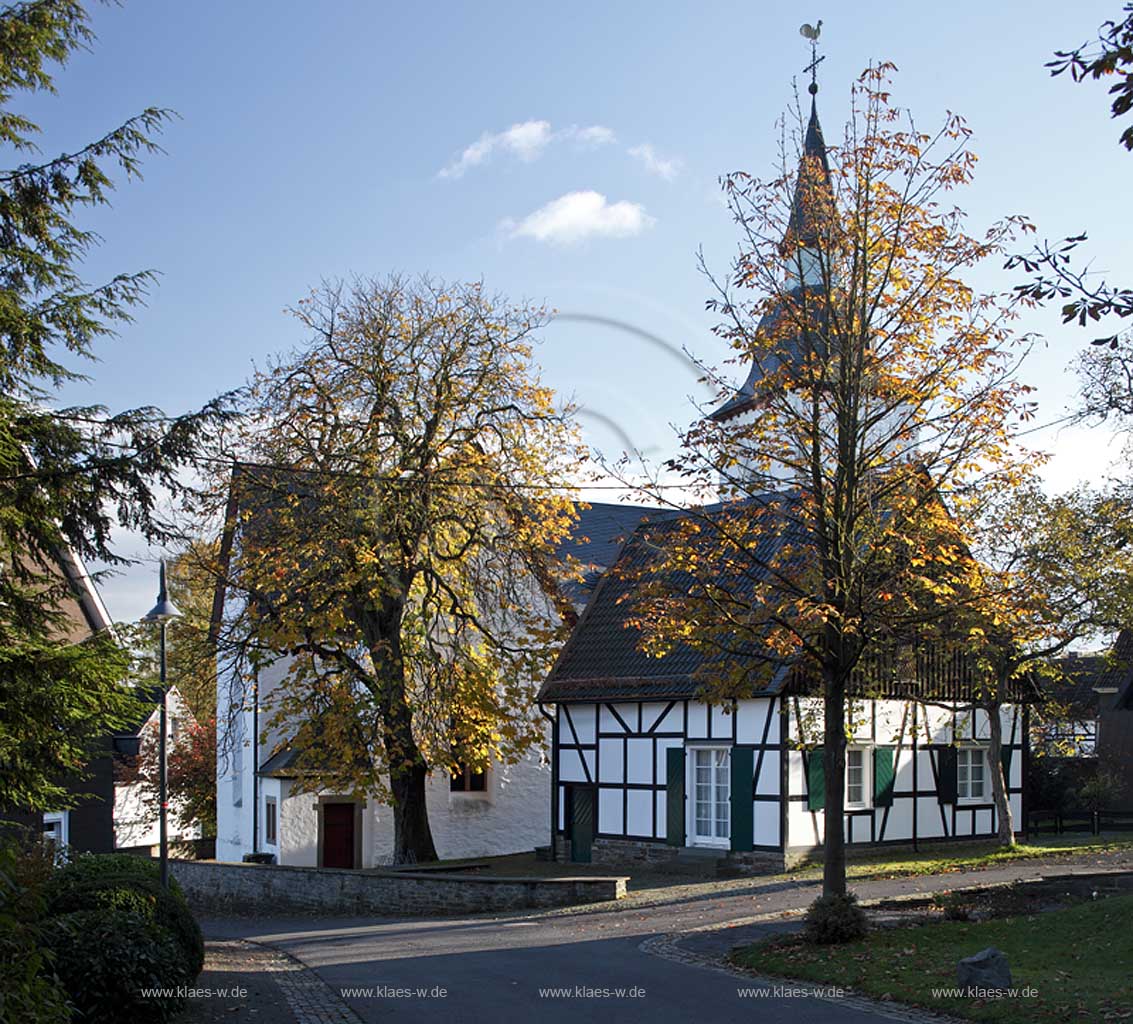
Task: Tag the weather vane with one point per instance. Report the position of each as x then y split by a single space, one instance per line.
812 32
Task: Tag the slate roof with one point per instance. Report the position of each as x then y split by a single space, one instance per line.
281 764
801 226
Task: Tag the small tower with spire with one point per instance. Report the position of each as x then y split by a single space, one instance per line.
804 265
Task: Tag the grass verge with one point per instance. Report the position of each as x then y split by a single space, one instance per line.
1076 960
969 858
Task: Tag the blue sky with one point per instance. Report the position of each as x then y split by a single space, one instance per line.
318 140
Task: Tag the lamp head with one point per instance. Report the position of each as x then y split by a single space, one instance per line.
165 609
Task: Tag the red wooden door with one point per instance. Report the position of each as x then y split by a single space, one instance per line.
338 835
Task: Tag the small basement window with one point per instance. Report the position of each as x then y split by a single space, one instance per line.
466 779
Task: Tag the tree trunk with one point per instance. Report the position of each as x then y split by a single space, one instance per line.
412 837
834 771
408 772
1006 831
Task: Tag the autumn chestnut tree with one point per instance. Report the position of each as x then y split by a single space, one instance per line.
879 413
1046 573
402 483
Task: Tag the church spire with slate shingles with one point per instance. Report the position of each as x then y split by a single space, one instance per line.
813 189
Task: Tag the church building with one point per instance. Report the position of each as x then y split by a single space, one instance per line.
644 771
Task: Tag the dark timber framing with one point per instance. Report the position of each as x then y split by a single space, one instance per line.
605 744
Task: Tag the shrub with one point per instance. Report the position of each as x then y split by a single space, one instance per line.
834 919
88 867
956 906
119 882
29 990
108 959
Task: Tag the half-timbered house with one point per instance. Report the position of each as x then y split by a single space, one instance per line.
646 771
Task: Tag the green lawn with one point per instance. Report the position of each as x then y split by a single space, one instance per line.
1078 959
944 860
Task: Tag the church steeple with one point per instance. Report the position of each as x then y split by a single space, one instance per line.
811 205
812 184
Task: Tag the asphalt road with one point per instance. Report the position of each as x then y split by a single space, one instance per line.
582 966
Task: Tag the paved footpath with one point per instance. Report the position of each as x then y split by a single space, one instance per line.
653 958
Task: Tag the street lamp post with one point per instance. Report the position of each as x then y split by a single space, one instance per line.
161 613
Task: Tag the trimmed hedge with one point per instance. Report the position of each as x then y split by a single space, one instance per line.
110 961
117 936
120 882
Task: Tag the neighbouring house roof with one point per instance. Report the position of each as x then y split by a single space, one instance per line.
1093 682
1076 690
603 660
281 764
594 540
1119 671
127 740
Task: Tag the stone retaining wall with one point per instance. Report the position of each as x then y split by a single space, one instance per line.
261 889
651 855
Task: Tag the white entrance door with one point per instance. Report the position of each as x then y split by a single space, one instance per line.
711 796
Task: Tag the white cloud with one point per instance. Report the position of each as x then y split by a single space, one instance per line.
526 140
595 135
580 215
664 167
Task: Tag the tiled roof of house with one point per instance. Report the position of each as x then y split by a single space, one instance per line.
596 539
603 659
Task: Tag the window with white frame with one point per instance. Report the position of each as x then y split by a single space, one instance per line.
971 774
711 769
55 831
857 777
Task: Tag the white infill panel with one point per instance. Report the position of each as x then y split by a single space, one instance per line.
639 760
611 760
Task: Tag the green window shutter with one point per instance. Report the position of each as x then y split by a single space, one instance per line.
883 775
1005 759
743 770
946 773
815 781
675 796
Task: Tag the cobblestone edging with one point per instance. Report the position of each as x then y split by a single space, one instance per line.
311 999
668 947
